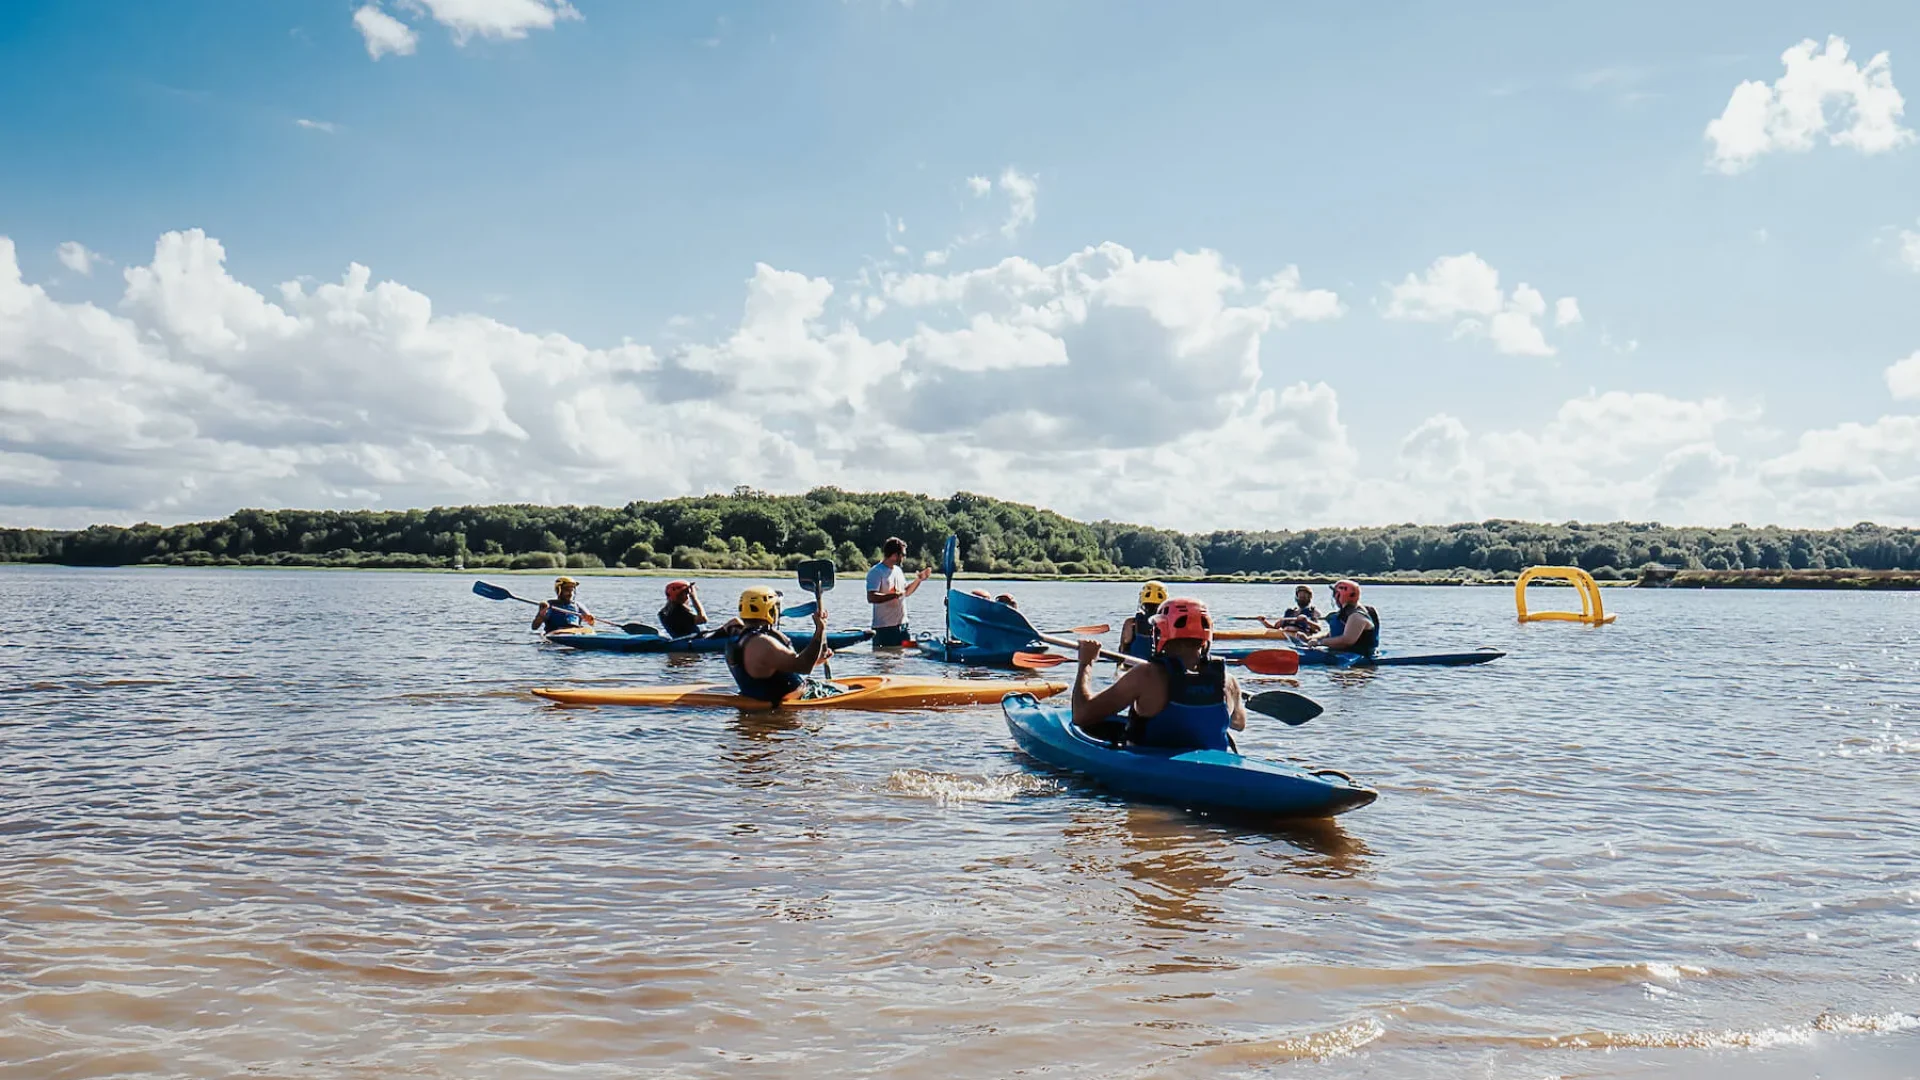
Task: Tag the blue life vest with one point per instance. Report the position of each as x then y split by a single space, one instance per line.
1369 641
1196 716
562 616
1141 645
776 688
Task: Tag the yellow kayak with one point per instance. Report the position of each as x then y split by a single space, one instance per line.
862 692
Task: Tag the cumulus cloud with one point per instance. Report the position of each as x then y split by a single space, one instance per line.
1022 191
384 34
980 186
1903 379
1822 93
1465 290
201 393
74 256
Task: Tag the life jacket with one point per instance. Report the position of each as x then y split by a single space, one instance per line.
1369 641
562 616
1308 612
775 689
1141 645
1196 716
678 620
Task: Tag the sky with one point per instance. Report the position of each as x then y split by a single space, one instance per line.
1223 265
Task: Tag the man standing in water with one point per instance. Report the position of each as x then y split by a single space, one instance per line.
887 590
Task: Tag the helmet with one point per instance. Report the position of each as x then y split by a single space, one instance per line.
1346 592
678 589
563 581
1153 592
1182 617
759 604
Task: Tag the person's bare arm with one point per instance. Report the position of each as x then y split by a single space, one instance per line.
767 657
918 579
1356 625
1236 705
1090 708
699 609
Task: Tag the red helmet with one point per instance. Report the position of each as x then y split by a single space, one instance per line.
677 590
1182 617
1346 592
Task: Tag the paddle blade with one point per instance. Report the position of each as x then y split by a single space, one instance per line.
1085 631
1286 706
1272 662
1036 661
815 575
799 610
950 557
640 629
491 592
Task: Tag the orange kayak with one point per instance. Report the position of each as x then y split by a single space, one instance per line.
862 692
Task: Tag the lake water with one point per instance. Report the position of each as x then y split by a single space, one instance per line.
311 824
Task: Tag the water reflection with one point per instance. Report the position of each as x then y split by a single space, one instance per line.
760 745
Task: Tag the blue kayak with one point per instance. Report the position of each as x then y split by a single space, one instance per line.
1329 658
934 647
1216 779
660 643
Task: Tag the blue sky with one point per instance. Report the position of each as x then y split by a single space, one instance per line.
614 173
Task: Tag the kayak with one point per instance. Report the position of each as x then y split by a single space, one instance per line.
692 643
863 692
1217 779
933 647
1329 658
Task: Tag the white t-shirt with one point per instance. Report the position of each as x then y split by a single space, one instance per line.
884 578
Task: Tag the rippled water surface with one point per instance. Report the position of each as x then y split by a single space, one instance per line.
311 824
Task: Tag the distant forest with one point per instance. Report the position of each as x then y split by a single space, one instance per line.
751 530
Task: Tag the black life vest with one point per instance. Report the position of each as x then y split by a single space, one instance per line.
776 688
1369 641
1141 644
678 620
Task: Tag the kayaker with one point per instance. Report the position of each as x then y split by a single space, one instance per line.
683 614
1184 699
1136 634
1352 627
887 590
1301 618
762 659
562 612
1008 600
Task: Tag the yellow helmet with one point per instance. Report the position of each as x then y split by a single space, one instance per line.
1153 592
563 580
759 604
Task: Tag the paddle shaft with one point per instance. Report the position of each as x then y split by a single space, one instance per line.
636 628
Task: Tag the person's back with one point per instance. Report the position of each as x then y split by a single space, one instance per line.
1184 699
1192 713
683 615
762 660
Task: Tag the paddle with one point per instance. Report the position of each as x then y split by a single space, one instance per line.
816 576
1285 706
1264 662
949 562
495 592
799 610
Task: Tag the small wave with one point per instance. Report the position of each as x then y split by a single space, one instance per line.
946 788
1311 1046
1735 1039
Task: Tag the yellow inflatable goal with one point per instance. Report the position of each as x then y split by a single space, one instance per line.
1591 612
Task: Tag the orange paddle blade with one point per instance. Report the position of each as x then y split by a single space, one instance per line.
1272 662
1037 660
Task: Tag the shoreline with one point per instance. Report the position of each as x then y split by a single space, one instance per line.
1796 580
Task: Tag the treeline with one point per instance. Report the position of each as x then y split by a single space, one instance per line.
751 530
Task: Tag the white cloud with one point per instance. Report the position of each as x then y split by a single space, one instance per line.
75 257
1910 249
980 186
1903 379
384 34
1021 191
1465 290
505 20
1821 93
317 125
935 258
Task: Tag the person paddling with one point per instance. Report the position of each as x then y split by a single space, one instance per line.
1136 634
1183 700
887 590
1301 618
562 612
763 661
1352 627
683 614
